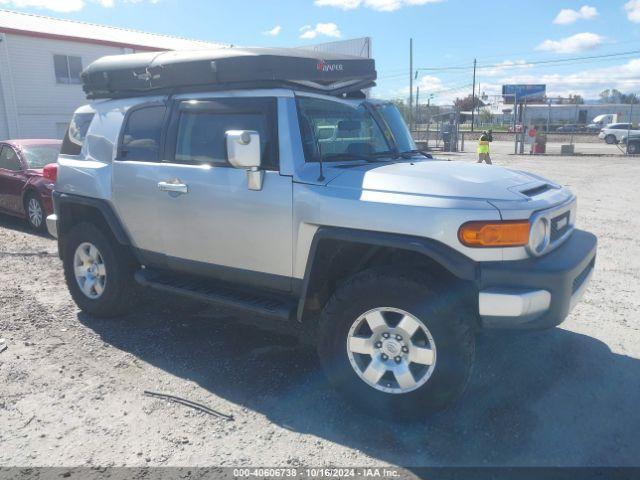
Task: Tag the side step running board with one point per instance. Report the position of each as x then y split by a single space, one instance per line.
267 305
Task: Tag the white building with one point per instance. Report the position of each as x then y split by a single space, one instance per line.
40 63
41 59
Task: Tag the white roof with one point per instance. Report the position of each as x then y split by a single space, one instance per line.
37 25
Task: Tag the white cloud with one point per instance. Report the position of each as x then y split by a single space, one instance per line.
273 32
575 43
504 67
379 5
429 85
633 10
55 5
567 16
326 29
588 83
63 6
343 4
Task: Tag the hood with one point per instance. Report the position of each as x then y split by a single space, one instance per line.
438 179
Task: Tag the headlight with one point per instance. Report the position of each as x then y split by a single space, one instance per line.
505 233
539 238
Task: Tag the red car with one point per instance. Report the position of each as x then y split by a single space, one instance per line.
28 171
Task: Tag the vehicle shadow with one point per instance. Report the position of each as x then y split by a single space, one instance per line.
20 225
548 398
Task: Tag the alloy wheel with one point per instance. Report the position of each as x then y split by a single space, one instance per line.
34 210
90 271
391 350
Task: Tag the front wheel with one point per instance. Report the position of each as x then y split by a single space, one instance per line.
632 148
396 347
98 271
610 139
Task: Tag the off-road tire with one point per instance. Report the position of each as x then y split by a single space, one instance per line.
121 291
445 314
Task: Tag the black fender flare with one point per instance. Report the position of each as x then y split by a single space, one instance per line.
455 262
61 200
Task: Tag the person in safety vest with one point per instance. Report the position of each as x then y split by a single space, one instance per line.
483 147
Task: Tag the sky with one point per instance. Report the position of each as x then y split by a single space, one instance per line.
514 41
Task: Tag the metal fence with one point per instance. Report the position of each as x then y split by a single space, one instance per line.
431 138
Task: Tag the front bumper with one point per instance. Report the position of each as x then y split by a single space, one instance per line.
537 292
52 225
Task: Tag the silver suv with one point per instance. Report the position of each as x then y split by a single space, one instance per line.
307 207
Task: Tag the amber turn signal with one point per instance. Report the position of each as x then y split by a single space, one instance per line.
509 233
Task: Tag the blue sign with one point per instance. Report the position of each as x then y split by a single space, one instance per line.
520 93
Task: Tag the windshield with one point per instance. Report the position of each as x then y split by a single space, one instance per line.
335 131
396 123
38 156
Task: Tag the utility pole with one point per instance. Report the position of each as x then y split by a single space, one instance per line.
417 117
626 152
473 96
411 84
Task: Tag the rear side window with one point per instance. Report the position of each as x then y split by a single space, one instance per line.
76 133
9 159
141 134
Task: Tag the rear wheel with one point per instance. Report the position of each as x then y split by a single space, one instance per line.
34 210
98 271
610 139
394 346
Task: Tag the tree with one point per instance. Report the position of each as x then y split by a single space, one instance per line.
612 95
485 116
467 103
403 107
576 99
571 100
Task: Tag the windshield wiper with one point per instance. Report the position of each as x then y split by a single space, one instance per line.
410 153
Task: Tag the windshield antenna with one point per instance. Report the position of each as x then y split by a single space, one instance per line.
321 177
319 150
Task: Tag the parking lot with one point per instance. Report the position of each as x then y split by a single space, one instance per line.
73 387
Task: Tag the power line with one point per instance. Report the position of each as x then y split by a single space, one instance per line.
525 63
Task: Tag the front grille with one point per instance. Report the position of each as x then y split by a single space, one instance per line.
560 225
579 280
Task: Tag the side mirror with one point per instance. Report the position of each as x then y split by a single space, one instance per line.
243 151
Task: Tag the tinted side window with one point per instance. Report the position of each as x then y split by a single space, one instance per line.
201 136
9 159
141 134
199 129
76 133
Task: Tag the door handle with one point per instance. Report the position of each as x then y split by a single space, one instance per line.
173 187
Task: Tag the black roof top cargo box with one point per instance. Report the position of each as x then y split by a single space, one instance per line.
157 72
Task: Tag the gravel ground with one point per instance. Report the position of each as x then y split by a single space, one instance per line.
72 387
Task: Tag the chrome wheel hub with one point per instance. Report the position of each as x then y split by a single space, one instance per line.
391 350
89 270
34 210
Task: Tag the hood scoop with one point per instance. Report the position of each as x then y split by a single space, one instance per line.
537 190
